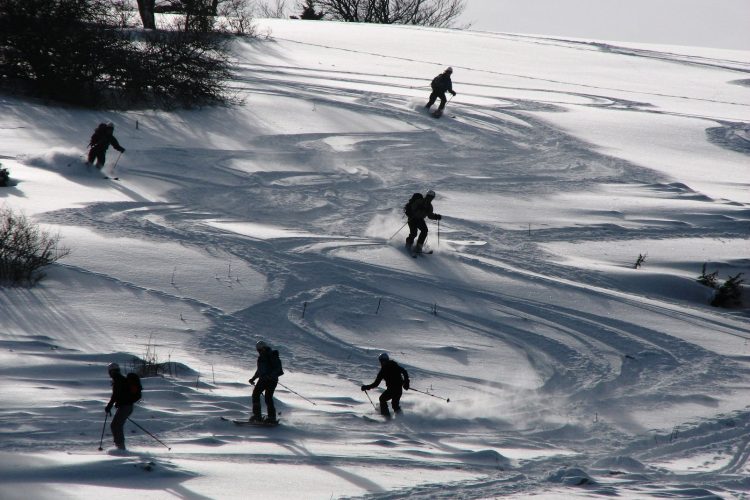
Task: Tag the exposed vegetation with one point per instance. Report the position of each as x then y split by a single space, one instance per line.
25 249
76 51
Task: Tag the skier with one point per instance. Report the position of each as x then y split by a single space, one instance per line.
122 401
395 378
416 210
268 372
440 85
100 142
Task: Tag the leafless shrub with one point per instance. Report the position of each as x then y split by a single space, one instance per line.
236 16
25 249
710 280
640 260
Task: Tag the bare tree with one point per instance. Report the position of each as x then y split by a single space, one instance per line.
272 8
236 17
435 13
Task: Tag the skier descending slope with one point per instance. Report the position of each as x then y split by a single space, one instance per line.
123 398
440 85
416 210
268 373
395 378
101 139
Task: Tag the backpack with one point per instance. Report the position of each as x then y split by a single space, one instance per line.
98 135
408 210
135 388
276 359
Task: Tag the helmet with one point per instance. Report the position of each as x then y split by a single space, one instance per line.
449 70
260 345
383 357
113 367
430 194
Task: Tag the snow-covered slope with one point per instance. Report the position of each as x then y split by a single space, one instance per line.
569 373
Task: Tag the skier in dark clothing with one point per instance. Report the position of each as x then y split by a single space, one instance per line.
417 210
268 372
100 142
122 401
440 85
395 378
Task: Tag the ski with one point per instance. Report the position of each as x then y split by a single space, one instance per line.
374 420
263 423
415 254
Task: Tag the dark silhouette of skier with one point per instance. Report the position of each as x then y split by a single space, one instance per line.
416 210
101 139
122 400
440 85
395 378
268 372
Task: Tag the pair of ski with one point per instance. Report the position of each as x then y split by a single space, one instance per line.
416 254
252 423
101 171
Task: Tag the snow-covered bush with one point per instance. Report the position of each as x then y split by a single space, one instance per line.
4 176
728 294
25 249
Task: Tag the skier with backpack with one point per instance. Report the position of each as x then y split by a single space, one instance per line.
395 378
126 391
101 139
416 209
268 372
440 85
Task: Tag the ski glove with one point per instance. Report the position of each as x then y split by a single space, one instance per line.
365 387
438 216
108 409
406 384
454 93
252 381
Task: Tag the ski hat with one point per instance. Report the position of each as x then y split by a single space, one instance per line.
449 70
110 125
430 194
383 357
113 367
260 345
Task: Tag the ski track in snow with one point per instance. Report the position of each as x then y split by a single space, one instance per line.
564 381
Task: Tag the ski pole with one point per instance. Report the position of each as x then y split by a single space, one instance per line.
368 397
447 400
144 430
297 393
118 159
399 230
104 425
438 233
